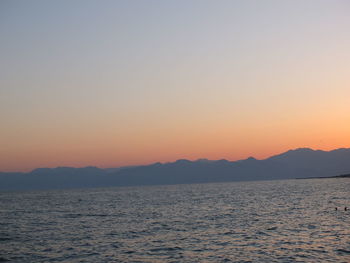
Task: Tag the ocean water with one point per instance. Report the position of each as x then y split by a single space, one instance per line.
269 221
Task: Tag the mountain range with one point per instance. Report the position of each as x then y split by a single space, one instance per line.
298 163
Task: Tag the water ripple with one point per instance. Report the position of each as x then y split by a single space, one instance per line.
276 221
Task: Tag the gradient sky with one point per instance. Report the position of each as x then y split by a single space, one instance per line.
111 83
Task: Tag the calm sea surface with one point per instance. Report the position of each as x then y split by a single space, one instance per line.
270 221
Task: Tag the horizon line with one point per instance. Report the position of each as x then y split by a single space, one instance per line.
191 160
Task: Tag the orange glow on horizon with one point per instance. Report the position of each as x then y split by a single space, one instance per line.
204 80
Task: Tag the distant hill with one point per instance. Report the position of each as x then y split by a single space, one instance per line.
298 163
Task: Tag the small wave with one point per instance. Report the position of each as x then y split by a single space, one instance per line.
5 239
223 243
72 215
261 233
272 228
98 215
310 226
343 251
165 249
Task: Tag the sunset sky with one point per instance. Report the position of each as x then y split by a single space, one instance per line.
114 83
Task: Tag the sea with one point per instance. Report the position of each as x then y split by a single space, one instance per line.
262 221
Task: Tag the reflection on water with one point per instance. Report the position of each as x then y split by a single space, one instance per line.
275 221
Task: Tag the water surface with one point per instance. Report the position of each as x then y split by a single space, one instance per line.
269 221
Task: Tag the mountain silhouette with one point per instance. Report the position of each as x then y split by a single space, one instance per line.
298 163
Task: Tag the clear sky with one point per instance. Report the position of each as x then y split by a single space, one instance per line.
112 83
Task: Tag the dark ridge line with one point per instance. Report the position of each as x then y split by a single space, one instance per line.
325 177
